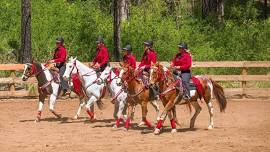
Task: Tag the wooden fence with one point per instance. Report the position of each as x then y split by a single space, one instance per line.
243 91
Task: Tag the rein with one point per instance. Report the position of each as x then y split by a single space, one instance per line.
163 77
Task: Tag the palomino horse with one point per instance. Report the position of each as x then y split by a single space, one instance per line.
109 78
170 96
92 89
47 85
138 93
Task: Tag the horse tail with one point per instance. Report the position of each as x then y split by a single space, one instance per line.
100 104
220 96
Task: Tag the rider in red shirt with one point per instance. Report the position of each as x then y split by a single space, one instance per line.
59 57
101 61
128 57
149 56
182 64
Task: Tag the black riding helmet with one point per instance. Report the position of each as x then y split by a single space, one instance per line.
148 43
99 40
60 39
127 48
183 45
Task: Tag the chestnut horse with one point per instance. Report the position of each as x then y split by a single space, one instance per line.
137 92
170 95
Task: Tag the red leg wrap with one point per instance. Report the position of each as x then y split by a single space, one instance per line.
117 123
148 124
159 124
127 123
173 124
91 114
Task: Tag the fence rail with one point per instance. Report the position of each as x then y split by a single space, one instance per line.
243 78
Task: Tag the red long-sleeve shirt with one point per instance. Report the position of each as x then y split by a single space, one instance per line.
148 58
183 60
102 56
60 54
130 59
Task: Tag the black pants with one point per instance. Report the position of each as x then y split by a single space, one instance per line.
103 67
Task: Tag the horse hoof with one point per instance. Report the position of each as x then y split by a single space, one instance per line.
210 127
75 117
141 124
59 116
173 131
157 131
37 120
125 129
114 126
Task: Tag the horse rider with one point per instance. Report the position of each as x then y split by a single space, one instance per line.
182 64
149 58
128 57
101 60
59 58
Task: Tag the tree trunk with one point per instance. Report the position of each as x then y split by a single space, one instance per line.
265 9
116 28
25 53
221 11
124 10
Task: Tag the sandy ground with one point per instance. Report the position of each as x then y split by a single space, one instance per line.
244 127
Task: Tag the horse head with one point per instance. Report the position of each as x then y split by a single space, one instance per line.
30 69
126 72
70 68
156 73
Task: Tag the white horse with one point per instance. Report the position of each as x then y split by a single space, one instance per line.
89 77
47 85
118 93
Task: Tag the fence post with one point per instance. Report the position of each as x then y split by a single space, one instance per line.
244 83
12 86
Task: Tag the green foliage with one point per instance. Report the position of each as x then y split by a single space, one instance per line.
243 36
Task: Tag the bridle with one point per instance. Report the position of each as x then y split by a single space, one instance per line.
33 71
78 72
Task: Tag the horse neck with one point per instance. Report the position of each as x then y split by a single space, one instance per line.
41 77
83 69
133 85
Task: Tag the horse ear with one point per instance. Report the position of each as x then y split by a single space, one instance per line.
75 58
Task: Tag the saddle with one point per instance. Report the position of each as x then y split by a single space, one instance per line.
54 72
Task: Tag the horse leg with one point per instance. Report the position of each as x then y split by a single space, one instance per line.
121 106
172 120
40 108
89 107
175 116
130 111
155 104
197 111
163 116
52 102
82 103
144 114
211 113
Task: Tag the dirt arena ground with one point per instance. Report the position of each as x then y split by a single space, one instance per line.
244 127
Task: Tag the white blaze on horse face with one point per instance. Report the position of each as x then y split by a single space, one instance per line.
120 76
26 66
151 76
68 71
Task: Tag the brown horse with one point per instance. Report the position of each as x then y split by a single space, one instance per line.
137 92
171 96
48 85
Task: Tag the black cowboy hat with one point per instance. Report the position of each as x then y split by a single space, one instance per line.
99 40
148 43
127 48
183 45
60 39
